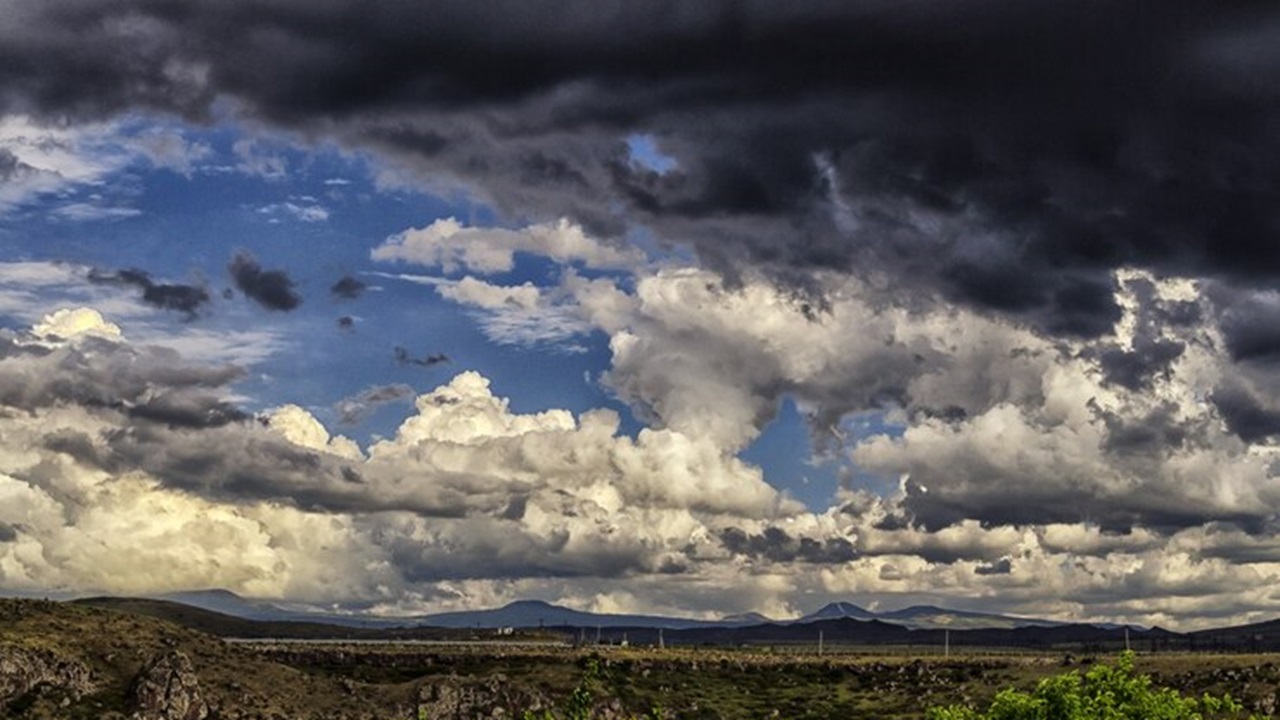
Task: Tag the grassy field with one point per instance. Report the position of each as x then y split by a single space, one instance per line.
717 683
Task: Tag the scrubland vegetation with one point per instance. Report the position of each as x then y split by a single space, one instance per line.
68 662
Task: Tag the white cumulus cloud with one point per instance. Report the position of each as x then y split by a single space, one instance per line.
452 246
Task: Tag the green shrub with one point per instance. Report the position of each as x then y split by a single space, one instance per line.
580 704
1106 692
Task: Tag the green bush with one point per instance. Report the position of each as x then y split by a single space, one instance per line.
1106 692
580 704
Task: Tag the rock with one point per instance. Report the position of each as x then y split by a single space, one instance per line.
23 670
491 698
167 689
610 709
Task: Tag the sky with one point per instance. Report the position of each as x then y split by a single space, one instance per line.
689 308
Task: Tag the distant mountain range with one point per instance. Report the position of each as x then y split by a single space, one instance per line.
227 615
936 618
538 613
535 613
229 603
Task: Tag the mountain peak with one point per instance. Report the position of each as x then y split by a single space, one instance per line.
911 610
746 618
839 609
212 593
531 604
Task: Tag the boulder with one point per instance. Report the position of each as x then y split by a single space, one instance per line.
472 699
167 689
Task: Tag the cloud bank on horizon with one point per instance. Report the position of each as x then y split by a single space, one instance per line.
1014 266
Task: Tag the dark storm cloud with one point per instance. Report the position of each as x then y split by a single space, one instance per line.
147 382
892 522
776 545
348 288
248 462
272 289
237 463
491 548
167 417
1227 542
516 509
1126 488
80 447
1003 155
1003 566
1131 433
357 407
1246 414
11 168
9 347
404 358
1250 325
1150 354
9 164
1133 369
187 411
182 298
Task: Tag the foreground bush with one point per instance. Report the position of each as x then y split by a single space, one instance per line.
1106 692
581 704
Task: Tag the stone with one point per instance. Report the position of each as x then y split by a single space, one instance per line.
471 699
167 689
23 670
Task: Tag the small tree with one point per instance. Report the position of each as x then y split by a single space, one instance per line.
1106 692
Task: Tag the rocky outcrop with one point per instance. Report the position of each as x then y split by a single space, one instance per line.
491 698
25 670
167 689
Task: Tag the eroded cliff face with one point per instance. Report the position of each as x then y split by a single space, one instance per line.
24 671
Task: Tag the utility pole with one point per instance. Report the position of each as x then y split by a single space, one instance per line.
1126 638
662 645
820 638
946 643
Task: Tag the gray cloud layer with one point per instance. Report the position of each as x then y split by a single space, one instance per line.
998 155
